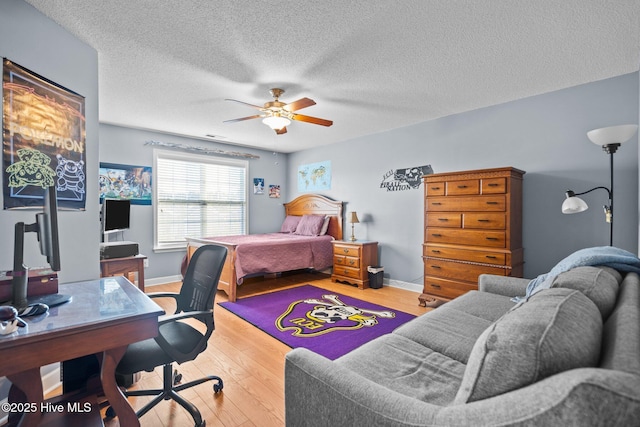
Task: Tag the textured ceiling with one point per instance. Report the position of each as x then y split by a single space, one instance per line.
370 65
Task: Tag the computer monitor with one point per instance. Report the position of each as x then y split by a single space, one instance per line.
46 228
115 215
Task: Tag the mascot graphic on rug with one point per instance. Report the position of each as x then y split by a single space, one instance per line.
313 317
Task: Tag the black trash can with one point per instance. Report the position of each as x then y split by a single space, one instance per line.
375 276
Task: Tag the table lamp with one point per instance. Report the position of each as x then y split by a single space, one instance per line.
353 219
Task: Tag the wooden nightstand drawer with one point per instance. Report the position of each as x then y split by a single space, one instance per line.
463 188
344 250
468 204
494 185
496 221
493 239
353 273
347 261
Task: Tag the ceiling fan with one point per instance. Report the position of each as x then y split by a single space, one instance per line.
278 115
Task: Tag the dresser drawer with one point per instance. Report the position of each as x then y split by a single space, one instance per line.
495 221
466 204
345 250
444 220
493 239
446 288
435 188
353 273
486 257
347 261
463 188
494 185
459 271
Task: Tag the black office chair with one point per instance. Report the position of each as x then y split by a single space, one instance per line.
177 341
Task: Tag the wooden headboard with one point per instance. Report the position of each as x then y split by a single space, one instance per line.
310 204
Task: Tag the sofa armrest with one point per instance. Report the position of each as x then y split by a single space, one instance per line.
503 285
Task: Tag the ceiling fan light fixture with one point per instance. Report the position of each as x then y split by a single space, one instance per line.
276 122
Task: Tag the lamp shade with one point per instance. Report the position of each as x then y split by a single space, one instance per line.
276 122
573 204
612 134
353 218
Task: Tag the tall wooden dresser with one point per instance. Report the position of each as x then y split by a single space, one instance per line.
473 225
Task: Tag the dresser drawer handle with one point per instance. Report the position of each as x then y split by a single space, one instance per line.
436 203
484 220
435 188
443 219
352 262
433 285
462 186
346 251
493 184
491 256
492 238
436 266
492 203
436 235
435 251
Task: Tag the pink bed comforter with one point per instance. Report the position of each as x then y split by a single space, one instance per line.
278 252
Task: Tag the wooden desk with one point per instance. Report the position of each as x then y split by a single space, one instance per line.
103 317
124 266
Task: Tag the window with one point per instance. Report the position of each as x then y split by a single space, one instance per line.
197 196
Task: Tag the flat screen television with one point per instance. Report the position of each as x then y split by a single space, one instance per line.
46 228
116 214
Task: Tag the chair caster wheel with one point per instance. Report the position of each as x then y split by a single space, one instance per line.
177 377
217 388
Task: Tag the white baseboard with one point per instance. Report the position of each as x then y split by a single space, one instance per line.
162 280
414 287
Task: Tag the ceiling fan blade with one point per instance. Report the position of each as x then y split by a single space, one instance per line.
281 131
245 103
299 104
314 120
257 116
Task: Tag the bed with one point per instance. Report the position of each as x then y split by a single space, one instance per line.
271 253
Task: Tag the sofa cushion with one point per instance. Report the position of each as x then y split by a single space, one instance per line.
406 367
554 331
598 284
453 328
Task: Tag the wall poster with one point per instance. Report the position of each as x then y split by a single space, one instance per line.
125 182
43 140
314 176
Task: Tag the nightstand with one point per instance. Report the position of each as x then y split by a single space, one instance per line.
351 259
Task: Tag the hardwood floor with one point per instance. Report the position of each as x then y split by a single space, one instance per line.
250 362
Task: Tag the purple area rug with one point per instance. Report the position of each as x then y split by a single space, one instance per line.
325 322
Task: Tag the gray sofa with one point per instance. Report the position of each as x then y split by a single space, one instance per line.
570 355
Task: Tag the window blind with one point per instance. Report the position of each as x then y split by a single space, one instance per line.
198 196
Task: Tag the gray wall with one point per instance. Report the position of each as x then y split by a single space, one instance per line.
127 146
543 135
30 39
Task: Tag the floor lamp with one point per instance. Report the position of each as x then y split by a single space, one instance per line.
610 138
